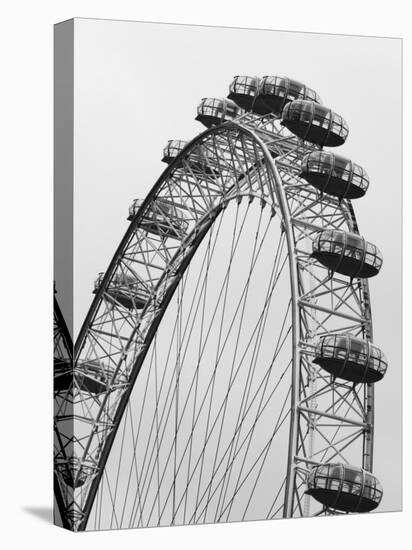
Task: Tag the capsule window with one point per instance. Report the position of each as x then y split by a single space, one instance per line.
316 121
323 121
296 88
358 180
312 95
370 258
341 353
322 482
211 107
323 169
328 351
295 114
326 246
356 253
334 484
246 85
357 357
231 111
375 364
336 247
336 124
333 470
369 492
358 171
342 168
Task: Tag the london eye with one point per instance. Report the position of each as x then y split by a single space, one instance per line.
225 370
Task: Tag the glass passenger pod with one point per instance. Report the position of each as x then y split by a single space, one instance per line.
276 91
198 158
161 218
91 376
212 111
173 148
315 123
345 488
126 290
94 377
75 473
244 91
347 253
334 175
350 358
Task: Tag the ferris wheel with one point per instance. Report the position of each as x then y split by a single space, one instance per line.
225 370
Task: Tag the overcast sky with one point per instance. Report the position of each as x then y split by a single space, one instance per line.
138 84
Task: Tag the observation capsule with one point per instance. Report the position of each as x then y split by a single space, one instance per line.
127 290
91 376
245 92
94 376
172 149
350 358
334 175
345 488
161 218
277 91
75 473
347 253
212 111
314 123
198 158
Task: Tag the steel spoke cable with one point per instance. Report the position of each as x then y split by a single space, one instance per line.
168 411
177 371
146 387
163 378
226 396
211 323
219 341
252 400
275 500
236 347
234 435
274 275
196 389
157 421
193 301
119 464
259 407
134 466
156 443
208 332
238 484
262 453
265 309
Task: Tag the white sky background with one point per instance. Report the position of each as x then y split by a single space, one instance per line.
138 85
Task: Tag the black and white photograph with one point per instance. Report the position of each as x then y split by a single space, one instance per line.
231 279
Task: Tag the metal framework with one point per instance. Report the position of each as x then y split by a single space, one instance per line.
252 159
63 360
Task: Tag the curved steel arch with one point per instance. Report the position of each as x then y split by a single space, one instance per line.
198 140
257 160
